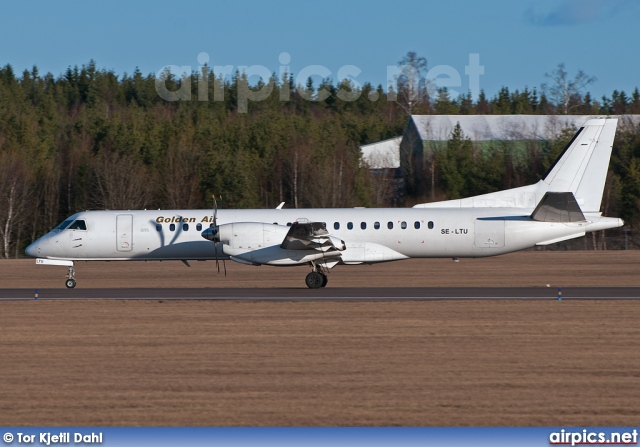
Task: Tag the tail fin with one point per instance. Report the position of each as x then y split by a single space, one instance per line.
582 168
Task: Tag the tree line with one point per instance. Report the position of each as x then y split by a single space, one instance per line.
93 139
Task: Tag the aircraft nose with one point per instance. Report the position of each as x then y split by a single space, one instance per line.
32 250
35 250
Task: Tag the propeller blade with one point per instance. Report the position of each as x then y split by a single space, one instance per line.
215 224
215 247
215 211
213 234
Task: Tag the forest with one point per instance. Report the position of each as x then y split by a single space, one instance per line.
94 139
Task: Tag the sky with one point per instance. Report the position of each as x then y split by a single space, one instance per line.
511 43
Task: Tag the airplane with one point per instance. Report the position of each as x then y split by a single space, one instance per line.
564 204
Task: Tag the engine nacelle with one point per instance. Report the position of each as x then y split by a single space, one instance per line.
260 243
247 236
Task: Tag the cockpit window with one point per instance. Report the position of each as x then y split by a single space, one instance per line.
78 225
63 225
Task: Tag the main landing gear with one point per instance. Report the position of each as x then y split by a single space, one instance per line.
71 281
316 278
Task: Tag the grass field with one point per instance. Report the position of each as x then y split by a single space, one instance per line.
532 268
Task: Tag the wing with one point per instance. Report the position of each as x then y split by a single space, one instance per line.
311 236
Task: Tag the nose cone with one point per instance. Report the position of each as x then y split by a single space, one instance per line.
210 234
32 250
37 248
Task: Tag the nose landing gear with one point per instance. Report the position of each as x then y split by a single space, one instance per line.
71 281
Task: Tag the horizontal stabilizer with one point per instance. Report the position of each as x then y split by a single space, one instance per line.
558 207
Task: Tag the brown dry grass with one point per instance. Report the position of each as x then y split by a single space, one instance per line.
533 268
396 363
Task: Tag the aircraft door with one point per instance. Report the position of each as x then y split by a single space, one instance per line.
124 232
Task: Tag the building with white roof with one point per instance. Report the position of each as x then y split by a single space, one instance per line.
383 154
426 133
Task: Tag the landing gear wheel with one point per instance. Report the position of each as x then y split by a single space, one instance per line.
325 280
315 280
70 282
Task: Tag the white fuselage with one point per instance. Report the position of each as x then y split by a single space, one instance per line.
370 235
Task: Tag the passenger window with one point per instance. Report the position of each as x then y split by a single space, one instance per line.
199 227
172 227
350 225
376 225
430 225
403 225
185 227
158 227
336 225
416 225
78 225
390 225
363 225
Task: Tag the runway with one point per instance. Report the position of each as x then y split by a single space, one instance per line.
327 294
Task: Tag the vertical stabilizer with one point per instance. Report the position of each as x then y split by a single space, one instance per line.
582 168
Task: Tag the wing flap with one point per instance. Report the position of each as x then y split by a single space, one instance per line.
311 236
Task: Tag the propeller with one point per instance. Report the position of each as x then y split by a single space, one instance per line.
213 234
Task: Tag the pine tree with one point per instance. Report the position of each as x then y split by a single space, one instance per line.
456 164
